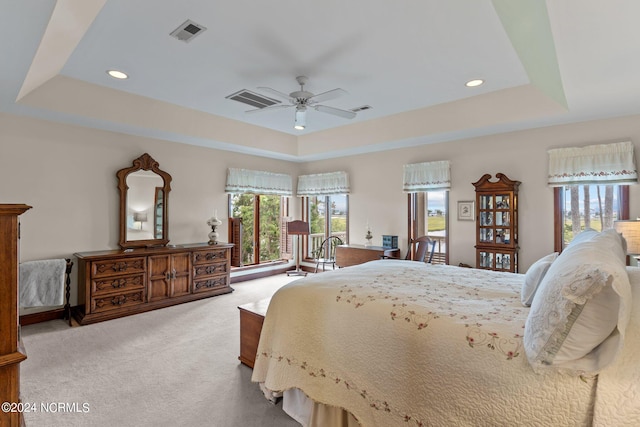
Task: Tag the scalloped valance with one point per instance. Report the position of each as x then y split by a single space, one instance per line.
258 182
428 176
323 184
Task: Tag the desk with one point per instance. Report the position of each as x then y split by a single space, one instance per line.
347 255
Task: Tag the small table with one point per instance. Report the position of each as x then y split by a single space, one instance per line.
251 318
347 255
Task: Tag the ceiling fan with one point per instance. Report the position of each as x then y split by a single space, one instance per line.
302 100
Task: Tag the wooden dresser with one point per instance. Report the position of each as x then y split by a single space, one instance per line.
118 283
347 255
11 351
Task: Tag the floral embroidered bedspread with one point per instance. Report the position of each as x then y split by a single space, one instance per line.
401 343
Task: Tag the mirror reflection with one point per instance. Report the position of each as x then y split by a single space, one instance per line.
144 205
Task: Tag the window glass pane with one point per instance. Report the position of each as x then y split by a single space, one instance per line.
589 206
436 222
338 212
269 228
327 217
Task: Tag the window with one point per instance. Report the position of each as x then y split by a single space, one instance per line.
429 215
591 187
258 204
261 219
327 216
428 187
587 206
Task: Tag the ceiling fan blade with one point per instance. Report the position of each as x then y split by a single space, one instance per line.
335 111
331 94
269 108
276 93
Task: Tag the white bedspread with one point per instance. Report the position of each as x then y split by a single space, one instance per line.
411 344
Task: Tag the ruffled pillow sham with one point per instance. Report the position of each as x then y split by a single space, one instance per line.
581 308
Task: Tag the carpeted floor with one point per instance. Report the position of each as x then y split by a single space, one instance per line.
177 366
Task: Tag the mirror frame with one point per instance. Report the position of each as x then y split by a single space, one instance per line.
144 162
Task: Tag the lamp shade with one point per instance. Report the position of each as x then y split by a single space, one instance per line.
140 216
298 227
630 230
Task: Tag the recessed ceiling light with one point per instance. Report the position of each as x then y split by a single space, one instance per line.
117 74
474 83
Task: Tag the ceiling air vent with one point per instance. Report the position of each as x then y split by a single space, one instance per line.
187 31
364 107
252 98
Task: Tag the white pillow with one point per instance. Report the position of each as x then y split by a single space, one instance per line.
581 309
534 276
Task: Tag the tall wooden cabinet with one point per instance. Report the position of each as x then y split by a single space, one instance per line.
11 350
497 223
117 283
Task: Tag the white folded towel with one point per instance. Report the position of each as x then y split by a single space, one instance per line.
42 283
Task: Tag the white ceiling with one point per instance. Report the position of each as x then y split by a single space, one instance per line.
562 62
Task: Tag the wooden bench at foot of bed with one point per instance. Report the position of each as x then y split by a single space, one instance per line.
251 318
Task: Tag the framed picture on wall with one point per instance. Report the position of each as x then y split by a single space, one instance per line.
466 210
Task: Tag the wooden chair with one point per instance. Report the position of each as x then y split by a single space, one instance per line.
424 245
326 253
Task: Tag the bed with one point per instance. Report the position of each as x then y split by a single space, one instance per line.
394 342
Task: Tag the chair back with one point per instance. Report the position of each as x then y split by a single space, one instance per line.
424 246
328 246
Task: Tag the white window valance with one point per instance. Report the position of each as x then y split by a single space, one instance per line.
428 176
595 164
258 182
323 184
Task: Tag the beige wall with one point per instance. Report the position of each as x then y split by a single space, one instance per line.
67 174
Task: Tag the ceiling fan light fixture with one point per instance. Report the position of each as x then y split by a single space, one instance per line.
301 118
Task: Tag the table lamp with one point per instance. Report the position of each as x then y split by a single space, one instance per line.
630 230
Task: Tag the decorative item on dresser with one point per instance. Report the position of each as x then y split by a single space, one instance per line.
497 225
116 283
214 222
11 349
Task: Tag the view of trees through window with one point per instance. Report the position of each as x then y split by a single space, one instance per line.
589 206
327 217
260 239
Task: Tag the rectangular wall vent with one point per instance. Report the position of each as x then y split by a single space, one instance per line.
251 98
187 31
364 107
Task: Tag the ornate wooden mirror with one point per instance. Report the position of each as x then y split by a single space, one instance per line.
144 204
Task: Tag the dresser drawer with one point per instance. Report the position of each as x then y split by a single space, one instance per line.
117 301
200 271
118 267
208 256
211 283
118 284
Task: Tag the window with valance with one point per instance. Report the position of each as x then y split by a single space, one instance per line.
325 198
427 185
258 210
590 187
